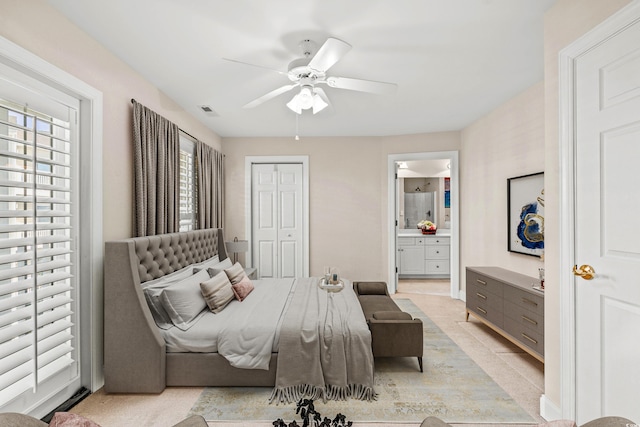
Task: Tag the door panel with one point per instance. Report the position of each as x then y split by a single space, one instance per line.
607 201
277 219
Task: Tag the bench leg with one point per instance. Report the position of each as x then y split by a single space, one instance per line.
420 363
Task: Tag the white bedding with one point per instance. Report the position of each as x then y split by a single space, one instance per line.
245 333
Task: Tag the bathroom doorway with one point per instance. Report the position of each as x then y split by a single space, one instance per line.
412 255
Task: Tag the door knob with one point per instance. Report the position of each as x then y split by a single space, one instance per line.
585 271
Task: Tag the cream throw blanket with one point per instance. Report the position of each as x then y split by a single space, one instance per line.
325 347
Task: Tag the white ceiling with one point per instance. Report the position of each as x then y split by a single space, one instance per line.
453 60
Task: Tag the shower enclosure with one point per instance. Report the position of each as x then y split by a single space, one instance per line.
418 207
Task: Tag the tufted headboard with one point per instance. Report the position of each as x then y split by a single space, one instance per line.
163 254
134 350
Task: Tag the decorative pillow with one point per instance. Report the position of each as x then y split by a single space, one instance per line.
242 288
217 292
67 419
372 288
235 273
216 269
183 300
391 315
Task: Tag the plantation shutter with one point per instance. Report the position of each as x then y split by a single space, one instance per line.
187 185
38 332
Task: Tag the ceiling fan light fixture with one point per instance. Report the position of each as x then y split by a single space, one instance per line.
305 100
294 105
318 104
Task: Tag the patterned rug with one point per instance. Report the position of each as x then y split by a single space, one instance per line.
452 387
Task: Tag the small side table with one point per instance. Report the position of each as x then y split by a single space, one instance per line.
251 273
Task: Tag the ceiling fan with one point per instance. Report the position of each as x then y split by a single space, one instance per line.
310 71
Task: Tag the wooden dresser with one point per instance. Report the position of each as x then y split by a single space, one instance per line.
506 302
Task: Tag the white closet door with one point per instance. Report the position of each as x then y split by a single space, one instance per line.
277 219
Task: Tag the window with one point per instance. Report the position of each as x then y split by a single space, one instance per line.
187 185
38 225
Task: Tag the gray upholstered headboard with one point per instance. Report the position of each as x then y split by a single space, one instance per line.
165 253
134 350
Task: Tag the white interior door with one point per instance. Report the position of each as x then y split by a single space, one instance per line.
277 220
607 237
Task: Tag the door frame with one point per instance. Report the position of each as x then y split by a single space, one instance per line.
567 194
249 161
392 201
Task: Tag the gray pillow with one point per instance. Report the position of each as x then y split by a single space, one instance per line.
217 292
183 300
220 267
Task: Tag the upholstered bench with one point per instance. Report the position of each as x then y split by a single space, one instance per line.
394 333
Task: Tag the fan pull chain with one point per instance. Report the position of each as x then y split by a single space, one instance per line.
297 138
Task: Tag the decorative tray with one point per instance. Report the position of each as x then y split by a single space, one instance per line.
331 287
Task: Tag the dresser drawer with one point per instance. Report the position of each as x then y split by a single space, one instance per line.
484 282
480 308
524 318
480 294
526 336
437 252
525 300
437 267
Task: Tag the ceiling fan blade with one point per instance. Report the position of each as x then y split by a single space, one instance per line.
270 95
328 54
380 88
254 65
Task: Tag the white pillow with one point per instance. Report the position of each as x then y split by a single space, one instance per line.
183 300
153 289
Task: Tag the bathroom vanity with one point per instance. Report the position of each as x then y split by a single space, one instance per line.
424 255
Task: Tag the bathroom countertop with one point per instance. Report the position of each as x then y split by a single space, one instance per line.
414 232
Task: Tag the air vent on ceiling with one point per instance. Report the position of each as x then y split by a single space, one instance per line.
208 110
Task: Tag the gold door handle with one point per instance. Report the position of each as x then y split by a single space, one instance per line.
585 271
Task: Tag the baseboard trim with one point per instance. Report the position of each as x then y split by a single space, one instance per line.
548 410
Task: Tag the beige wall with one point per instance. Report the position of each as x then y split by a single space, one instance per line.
506 143
564 23
347 194
40 29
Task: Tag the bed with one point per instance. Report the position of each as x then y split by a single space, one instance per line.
288 334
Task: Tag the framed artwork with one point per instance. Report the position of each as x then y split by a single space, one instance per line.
447 192
525 204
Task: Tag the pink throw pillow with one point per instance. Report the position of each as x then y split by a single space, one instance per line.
242 288
67 419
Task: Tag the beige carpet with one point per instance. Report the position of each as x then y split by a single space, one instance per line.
519 374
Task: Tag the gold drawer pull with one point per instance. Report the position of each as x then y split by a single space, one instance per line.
481 310
528 301
533 322
482 282
529 338
481 296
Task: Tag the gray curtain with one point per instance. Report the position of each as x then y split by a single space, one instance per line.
209 165
157 167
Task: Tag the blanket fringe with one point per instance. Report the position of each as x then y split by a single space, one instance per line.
294 393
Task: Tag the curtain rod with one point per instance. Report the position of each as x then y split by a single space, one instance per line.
183 131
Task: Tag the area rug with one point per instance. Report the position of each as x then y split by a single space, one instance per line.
453 387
